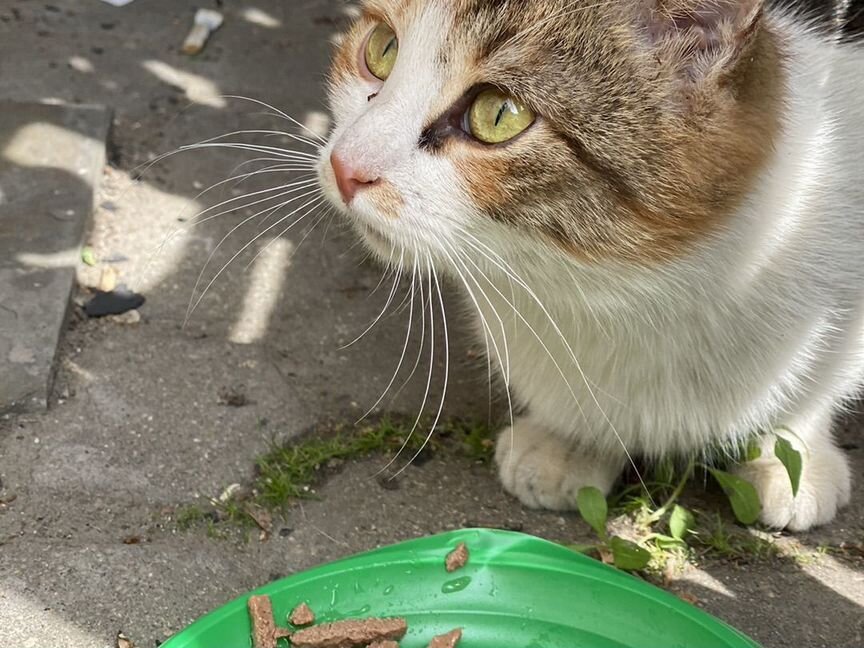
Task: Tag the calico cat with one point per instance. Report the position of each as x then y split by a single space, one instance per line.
654 209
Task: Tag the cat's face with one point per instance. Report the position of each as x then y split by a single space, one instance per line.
622 129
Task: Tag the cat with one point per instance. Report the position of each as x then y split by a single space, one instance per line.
653 208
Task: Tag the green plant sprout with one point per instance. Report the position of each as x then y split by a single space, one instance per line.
679 521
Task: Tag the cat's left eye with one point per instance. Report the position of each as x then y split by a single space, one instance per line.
382 49
496 117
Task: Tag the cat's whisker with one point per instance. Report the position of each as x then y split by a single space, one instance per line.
388 268
144 167
505 267
193 304
429 376
193 222
306 178
196 220
280 235
268 133
281 167
487 333
267 210
279 113
503 360
440 411
314 204
306 234
285 190
422 332
254 148
396 281
285 167
401 360
259 131
262 222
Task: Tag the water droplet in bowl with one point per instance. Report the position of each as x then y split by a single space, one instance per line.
456 585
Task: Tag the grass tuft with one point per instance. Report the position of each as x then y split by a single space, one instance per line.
288 472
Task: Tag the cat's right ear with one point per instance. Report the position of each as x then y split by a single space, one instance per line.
702 40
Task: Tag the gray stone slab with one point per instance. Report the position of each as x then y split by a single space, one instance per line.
51 158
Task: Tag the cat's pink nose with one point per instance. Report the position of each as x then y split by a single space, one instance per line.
350 179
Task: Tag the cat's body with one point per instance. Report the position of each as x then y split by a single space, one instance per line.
701 282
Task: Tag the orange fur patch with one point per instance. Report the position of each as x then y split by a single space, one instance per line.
386 198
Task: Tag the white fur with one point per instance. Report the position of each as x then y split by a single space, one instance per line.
761 326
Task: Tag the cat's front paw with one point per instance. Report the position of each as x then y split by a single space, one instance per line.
544 471
825 486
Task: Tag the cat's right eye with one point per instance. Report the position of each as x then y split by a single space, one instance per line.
382 49
495 117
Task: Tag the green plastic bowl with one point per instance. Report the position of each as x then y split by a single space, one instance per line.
516 590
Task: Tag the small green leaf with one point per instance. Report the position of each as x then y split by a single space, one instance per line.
742 496
593 508
753 451
666 543
791 459
628 555
680 522
88 256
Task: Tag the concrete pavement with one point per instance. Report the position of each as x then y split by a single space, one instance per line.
137 431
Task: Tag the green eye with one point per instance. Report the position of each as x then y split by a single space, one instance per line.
496 117
382 49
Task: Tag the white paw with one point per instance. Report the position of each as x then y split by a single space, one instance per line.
826 485
545 471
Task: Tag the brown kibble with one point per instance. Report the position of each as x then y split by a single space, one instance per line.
302 615
348 634
384 644
449 640
264 630
457 558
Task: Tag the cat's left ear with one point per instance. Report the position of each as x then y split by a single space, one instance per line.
701 38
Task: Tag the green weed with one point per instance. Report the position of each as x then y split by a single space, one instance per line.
289 472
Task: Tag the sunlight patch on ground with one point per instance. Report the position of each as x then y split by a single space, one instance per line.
260 17
36 142
706 580
64 259
837 577
266 280
161 243
27 623
197 88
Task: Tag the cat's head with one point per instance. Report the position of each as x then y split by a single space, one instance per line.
618 129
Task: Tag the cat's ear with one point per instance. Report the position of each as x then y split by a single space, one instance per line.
700 38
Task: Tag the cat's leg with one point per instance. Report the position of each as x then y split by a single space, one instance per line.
546 470
826 480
